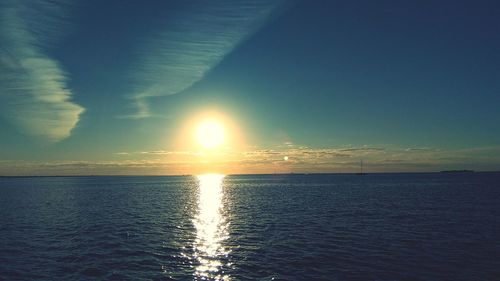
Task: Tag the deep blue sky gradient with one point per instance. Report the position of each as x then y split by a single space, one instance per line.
318 74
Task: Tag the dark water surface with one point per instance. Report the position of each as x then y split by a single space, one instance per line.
288 227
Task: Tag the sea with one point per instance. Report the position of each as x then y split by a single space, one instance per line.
418 226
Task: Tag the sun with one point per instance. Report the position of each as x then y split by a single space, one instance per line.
210 134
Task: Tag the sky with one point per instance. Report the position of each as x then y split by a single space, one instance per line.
121 87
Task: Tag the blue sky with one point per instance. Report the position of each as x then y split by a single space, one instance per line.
107 87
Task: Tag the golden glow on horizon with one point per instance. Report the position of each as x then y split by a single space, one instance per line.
210 140
210 134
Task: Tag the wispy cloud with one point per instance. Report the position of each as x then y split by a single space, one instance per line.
158 152
33 91
193 39
303 159
420 149
362 149
165 152
376 159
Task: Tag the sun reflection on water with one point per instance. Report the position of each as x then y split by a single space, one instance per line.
211 229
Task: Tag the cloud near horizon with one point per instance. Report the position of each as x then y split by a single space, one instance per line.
191 41
301 159
33 87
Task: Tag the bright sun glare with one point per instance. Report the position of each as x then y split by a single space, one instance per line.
210 134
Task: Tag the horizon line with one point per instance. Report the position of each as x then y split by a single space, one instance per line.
251 174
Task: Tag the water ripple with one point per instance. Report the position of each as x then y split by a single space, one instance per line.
211 229
276 227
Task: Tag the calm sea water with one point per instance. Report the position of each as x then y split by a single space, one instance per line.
275 227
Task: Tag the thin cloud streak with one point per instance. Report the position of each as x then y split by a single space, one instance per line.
33 87
303 159
195 38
